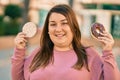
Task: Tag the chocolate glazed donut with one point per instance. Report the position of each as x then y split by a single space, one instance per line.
96 29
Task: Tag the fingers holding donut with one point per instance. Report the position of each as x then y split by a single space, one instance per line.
106 34
107 40
20 40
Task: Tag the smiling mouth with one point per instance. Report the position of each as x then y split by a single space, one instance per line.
60 35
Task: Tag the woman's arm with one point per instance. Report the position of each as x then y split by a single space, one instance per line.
18 64
103 68
18 57
110 68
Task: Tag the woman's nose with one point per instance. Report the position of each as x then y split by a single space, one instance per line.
58 28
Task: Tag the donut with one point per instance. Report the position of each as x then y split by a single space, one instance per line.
96 29
29 29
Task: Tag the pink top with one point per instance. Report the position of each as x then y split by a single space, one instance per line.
101 68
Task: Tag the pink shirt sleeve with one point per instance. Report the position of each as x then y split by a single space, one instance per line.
110 68
102 67
17 69
20 64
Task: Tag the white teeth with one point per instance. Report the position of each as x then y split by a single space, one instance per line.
59 35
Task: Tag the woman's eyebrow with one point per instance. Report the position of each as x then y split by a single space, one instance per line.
51 21
60 20
64 20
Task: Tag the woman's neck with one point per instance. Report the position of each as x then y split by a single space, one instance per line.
63 48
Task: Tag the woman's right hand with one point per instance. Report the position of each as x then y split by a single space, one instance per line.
20 40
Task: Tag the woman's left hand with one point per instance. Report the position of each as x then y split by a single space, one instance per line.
107 40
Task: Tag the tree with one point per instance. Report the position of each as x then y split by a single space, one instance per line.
13 11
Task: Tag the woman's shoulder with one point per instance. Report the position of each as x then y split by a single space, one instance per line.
30 56
94 59
93 54
91 50
33 52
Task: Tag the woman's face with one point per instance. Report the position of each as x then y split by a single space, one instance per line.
60 32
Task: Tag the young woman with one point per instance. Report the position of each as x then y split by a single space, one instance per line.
61 55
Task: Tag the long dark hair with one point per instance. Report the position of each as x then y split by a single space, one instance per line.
45 55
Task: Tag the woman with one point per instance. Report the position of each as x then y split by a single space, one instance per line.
61 55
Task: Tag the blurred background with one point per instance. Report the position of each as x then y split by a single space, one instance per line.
15 13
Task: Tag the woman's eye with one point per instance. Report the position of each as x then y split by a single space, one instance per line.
52 24
65 23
